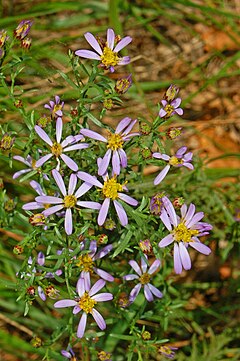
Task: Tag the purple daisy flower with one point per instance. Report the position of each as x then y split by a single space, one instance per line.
22 29
184 232
86 260
167 351
35 205
114 143
86 302
111 190
29 162
55 107
180 159
144 278
58 149
171 108
69 354
106 53
69 200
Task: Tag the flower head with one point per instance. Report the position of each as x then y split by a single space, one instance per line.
111 191
58 148
184 232
171 93
69 199
3 38
114 143
167 351
69 353
30 163
123 84
6 142
55 107
86 261
85 302
144 277
106 53
180 159
23 29
170 108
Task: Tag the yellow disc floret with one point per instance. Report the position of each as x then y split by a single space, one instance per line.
85 262
182 233
175 161
56 149
111 188
109 57
70 201
86 303
115 141
145 278
169 109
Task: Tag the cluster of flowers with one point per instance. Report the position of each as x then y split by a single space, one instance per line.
184 230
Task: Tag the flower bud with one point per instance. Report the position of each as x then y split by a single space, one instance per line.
22 29
109 224
178 202
174 132
36 342
104 356
146 335
26 43
156 204
145 128
43 121
6 142
102 239
9 205
145 246
122 85
52 292
18 103
18 249
3 38
108 104
37 219
171 92
31 291
146 153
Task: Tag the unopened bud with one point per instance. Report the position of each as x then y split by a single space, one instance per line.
6 142
102 239
109 224
43 121
104 356
18 249
146 153
173 132
18 103
145 128
122 85
178 202
37 219
36 342
31 291
108 103
156 204
9 205
146 246
146 335
26 43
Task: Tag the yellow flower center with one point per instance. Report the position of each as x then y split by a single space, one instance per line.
115 141
169 109
145 278
109 57
70 201
22 29
165 349
111 188
56 149
182 233
85 262
86 303
56 108
175 161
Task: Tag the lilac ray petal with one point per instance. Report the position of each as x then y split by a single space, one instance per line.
99 319
104 275
135 291
41 293
128 199
171 211
123 124
97 287
103 297
69 140
93 248
156 264
183 210
93 42
82 325
31 206
188 165
181 151
72 184
129 128
20 172
148 293
136 267
88 54
102 168
161 156
115 163
76 309
42 160
52 210
110 38
176 102
188 157
124 60
43 135
59 180
166 221
89 204
161 175
37 187
65 303
94 135
200 247
84 188
190 212
87 283
49 200
69 162
184 255
66 354
144 264
196 218
22 160
155 291
40 259
68 221
177 259
179 111
76 147
103 211
166 241
89 179
123 157
80 287
162 113
59 126
122 215
103 252
122 43
130 277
